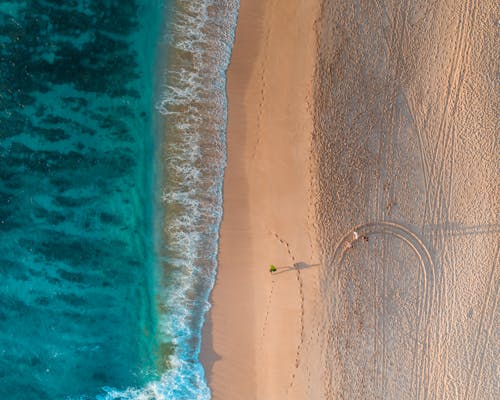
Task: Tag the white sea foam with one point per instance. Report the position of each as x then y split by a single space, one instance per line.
193 103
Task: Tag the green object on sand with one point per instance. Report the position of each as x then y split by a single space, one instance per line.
272 268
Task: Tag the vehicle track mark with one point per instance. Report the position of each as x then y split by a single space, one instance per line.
421 363
487 318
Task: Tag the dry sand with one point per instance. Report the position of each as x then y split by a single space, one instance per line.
405 133
404 149
255 339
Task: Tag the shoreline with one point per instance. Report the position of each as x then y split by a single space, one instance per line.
255 336
191 104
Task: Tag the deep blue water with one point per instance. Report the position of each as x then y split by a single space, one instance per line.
76 143
112 154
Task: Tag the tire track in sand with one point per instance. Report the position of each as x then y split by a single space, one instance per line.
439 169
420 369
487 319
395 45
454 86
438 196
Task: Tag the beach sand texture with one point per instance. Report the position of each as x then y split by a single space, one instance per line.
257 335
378 117
405 137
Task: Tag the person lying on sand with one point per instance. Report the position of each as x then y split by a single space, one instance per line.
356 236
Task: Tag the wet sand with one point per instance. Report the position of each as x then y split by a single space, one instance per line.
386 124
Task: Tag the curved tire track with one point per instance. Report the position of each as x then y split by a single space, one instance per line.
421 363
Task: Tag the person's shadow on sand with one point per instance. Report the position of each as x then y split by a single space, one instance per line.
295 267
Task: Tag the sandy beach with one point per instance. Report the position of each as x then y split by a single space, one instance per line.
405 133
256 332
376 118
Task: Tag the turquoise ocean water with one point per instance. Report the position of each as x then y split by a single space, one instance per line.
112 151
